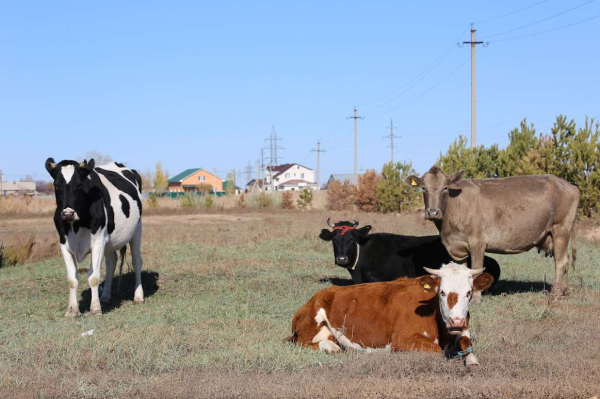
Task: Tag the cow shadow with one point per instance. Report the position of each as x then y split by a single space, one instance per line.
125 294
340 282
506 287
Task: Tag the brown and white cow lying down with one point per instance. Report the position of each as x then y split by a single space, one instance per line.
429 313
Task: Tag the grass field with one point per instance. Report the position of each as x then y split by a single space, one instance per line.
221 291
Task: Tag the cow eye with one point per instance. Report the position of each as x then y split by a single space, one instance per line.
469 294
424 189
442 293
445 188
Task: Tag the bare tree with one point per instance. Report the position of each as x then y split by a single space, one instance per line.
97 156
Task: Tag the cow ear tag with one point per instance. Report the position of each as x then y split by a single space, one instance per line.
413 182
427 287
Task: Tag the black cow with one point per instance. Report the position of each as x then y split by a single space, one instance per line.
385 257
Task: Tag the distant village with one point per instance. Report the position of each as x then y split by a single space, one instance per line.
284 177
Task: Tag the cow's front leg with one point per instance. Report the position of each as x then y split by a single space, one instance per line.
477 252
464 343
71 263
98 246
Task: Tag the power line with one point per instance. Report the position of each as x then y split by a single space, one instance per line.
318 151
426 91
510 13
547 31
539 21
418 77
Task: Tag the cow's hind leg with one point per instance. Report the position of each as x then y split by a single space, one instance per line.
477 252
561 260
136 254
111 264
71 263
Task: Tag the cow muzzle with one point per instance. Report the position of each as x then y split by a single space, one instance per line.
456 325
433 214
69 215
341 260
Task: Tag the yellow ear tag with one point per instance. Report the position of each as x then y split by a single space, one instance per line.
427 287
413 182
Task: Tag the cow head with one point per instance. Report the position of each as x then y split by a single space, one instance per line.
346 238
437 186
68 186
455 285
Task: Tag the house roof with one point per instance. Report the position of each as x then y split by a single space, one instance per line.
297 182
261 182
187 173
283 167
343 176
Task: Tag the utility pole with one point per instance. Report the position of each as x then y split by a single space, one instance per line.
248 172
355 117
473 44
1 184
273 159
391 137
318 151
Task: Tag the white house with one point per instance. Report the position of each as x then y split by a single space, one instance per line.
290 176
17 187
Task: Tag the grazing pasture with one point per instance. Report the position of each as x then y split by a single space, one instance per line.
221 290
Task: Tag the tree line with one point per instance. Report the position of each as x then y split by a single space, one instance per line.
569 151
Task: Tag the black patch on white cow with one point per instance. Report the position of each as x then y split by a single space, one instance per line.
119 164
130 176
97 210
122 185
124 205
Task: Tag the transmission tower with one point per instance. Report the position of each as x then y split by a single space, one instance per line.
391 136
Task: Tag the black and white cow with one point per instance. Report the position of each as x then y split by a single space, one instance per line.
386 257
98 211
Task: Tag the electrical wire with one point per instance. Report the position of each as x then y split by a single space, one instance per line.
549 30
539 21
418 77
510 13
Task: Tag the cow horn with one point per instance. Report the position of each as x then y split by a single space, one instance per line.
83 164
476 272
355 222
433 272
329 224
52 165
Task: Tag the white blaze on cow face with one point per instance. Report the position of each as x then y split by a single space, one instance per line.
67 172
455 293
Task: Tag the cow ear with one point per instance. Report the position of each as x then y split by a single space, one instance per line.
363 231
456 177
483 282
50 165
413 181
326 235
90 165
429 283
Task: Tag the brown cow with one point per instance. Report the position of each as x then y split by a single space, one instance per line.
503 216
427 313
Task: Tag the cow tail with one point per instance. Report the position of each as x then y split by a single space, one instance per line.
573 246
123 252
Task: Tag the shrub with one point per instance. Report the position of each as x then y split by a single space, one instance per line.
393 194
305 199
340 196
242 201
189 200
366 194
264 201
152 200
204 188
208 201
287 201
16 254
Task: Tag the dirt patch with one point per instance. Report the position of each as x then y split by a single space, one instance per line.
199 219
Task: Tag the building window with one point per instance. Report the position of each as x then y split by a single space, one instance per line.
287 175
201 178
302 175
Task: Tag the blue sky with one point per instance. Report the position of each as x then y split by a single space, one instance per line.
201 83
